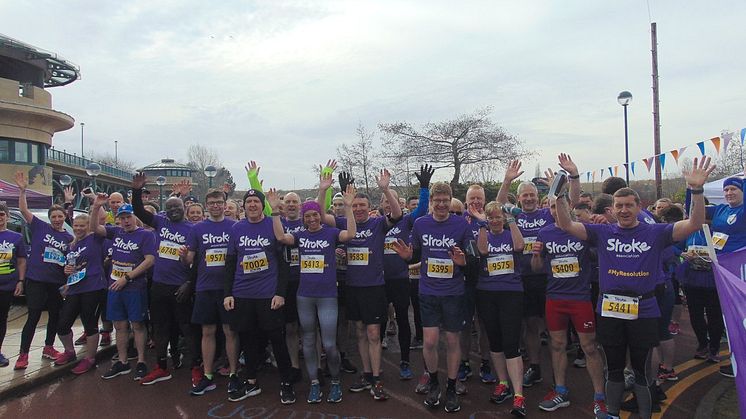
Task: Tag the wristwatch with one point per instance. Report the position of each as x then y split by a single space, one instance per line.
127 277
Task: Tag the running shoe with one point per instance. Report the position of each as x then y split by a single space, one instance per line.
204 385
314 393
727 371
246 390
156 376
667 375
391 330
485 374
531 377
579 361
519 406
85 365
348 367
599 409
713 357
433 395
80 341
405 373
117 368
701 353
141 370
4 362
422 383
105 339
674 328
553 401
22 361
234 384
224 371
385 343
65 358
378 392
177 360
500 393
361 385
453 404
50 353
464 371
287 394
196 375
461 388
335 392
416 344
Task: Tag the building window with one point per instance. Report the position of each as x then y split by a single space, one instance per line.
4 150
21 152
35 153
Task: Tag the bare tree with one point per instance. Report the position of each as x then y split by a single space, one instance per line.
199 157
359 158
458 143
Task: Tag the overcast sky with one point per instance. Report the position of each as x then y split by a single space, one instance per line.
285 82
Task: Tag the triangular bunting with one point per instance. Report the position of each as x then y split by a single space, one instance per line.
632 168
648 162
726 136
616 170
610 171
716 143
701 146
675 154
681 152
662 158
602 173
587 176
743 134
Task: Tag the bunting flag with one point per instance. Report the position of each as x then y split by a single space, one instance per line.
716 143
701 146
632 167
610 171
675 154
602 173
681 152
743 134
648 162
662 158
726 136
587 176
593 175
616 170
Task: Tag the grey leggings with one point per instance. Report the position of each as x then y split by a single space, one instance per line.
312 313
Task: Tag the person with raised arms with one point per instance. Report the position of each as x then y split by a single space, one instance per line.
629 254
317 286
12 272
44 273
133 253
366 291
206 250
437 240
254 295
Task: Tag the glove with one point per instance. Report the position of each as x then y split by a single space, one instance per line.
345 178
184 291
426 173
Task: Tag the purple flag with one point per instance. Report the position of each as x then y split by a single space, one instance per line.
730 278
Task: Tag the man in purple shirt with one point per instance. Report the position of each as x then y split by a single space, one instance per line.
629 255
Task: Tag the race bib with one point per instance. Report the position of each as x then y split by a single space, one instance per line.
255 263
6 253
312 264
700 251
294 257
388 246
169 250
719 240
439 268
215 257
528 246
118 271
54 255
76 277
414 273
500 265
620 307
341 261
357 256
567 267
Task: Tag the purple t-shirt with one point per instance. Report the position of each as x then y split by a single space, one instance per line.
89 264
318 274
128 252
567 265
209 242
499 269
256 251
170 236
629 260
365 252
394 267
439 276
12 247
291 252
48 248
530 223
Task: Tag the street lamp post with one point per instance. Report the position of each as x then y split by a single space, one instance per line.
210 172
160 181
82 125
624 99
116 154
93 170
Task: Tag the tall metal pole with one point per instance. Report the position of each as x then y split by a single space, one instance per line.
116 157
656 113
82 125
160 196
626 147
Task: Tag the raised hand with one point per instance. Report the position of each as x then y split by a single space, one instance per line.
100 199
476 213
383 180
139 180
69 194
332 164
252 167
566 163
424 176
697 176
273 198
21 180
325 180
457 255
537 247
345 178
349 195
548 177
183 187
513 171
402 249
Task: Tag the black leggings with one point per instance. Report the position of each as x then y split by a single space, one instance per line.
501 313
167 313
252 344
84 304
414 298
40 296
6 298
397 293
705 302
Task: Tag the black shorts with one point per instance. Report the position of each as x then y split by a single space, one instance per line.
42 295
291 302
445 312
501 312
164 309
534 295
209 308
366 304
87 306
397 292
251 314
341 289
639 333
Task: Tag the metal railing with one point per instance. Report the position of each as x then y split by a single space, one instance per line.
73 160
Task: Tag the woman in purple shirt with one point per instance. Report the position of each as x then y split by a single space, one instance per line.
317 289
12 272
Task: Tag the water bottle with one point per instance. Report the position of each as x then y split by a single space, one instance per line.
559 184
511 209
71 258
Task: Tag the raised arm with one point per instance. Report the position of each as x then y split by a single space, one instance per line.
537 260
482 241
138 181
571 168
95 225
695 180
512 172
565 222
22 184
274 200
349 234
325 182
515 233
252 173
383 181
426 173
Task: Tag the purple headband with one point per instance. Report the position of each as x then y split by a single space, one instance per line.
310 206
733 181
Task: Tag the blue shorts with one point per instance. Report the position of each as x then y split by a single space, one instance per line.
445 312
209 308
127 305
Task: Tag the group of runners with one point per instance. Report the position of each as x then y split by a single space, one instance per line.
223 281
